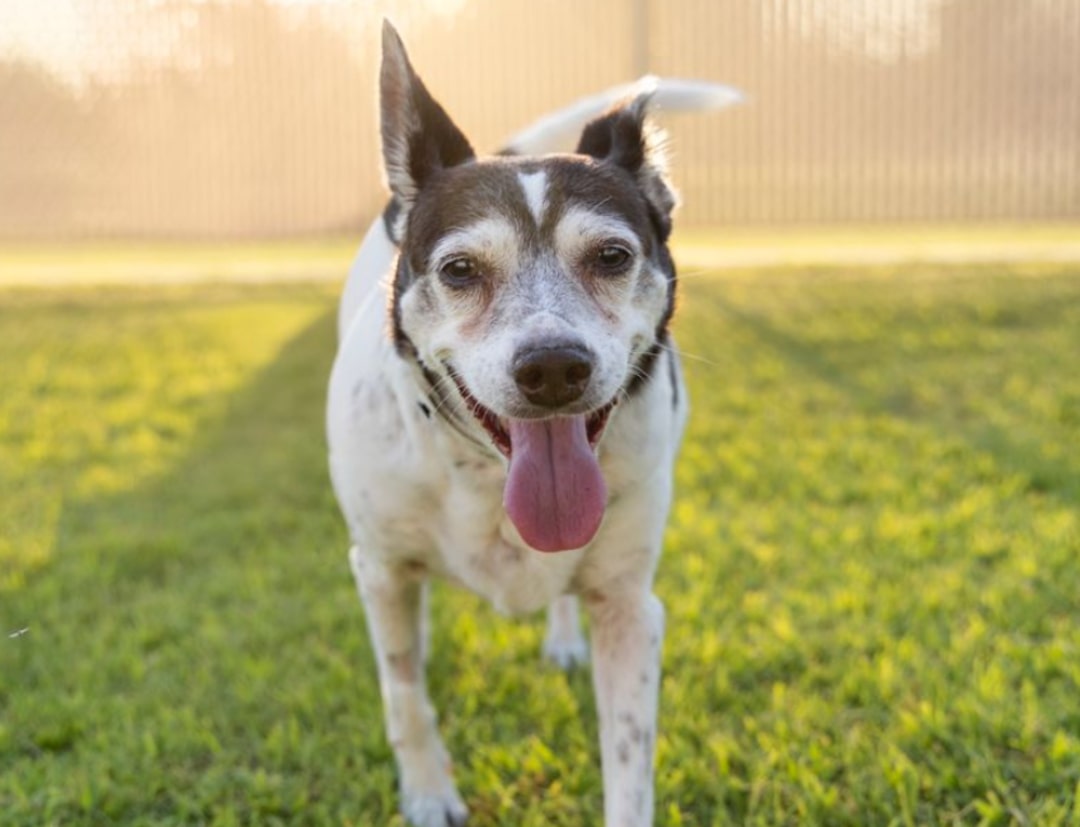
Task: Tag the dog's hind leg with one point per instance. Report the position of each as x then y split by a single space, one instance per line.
627 629
393 603
564 644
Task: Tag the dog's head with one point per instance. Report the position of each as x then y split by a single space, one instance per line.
534 292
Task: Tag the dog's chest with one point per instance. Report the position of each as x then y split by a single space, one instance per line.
415 492
478 546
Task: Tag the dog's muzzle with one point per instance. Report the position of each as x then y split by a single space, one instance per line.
555 492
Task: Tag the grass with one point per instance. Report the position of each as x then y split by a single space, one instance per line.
96 262
871 569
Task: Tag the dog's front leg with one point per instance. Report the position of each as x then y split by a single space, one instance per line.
627 629
393 604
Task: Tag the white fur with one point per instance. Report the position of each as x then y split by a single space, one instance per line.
534 184
372 263
421 498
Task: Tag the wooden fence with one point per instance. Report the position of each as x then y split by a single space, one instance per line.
256 118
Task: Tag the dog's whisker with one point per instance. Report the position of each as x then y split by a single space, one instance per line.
697 273
443 397
442 386
682 353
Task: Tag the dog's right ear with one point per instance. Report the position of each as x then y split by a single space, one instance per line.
418 137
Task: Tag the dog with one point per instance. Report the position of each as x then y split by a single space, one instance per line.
506 404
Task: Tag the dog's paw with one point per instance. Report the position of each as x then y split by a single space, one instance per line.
567 654
428 795
434 810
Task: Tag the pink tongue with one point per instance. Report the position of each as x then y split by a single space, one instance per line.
554 494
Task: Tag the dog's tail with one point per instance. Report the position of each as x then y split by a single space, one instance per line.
560 130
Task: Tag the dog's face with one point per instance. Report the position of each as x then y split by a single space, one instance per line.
535 284
534 291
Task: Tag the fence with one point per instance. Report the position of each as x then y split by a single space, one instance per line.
256 118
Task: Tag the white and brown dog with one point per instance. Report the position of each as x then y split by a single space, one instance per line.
506 386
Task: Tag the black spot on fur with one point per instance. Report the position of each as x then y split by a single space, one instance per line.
424 409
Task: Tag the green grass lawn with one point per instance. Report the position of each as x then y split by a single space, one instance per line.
872 572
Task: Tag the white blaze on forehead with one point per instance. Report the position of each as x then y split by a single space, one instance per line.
534 185
580 228
492 239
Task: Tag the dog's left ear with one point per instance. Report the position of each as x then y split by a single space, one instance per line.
625 136
418 137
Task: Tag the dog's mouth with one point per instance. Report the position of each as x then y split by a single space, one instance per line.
498 428
555 494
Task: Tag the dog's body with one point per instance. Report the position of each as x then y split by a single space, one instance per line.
512 387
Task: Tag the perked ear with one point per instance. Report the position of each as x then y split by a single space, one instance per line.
625 136
418 137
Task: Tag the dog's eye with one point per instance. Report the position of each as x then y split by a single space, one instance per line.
612 258
459 272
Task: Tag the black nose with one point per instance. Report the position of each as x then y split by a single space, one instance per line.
553 375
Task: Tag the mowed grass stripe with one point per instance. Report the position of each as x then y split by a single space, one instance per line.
870 573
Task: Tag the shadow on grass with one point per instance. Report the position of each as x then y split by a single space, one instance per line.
195 644
254 480
197 651
1014 450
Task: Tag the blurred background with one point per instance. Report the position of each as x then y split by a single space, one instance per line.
256 119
